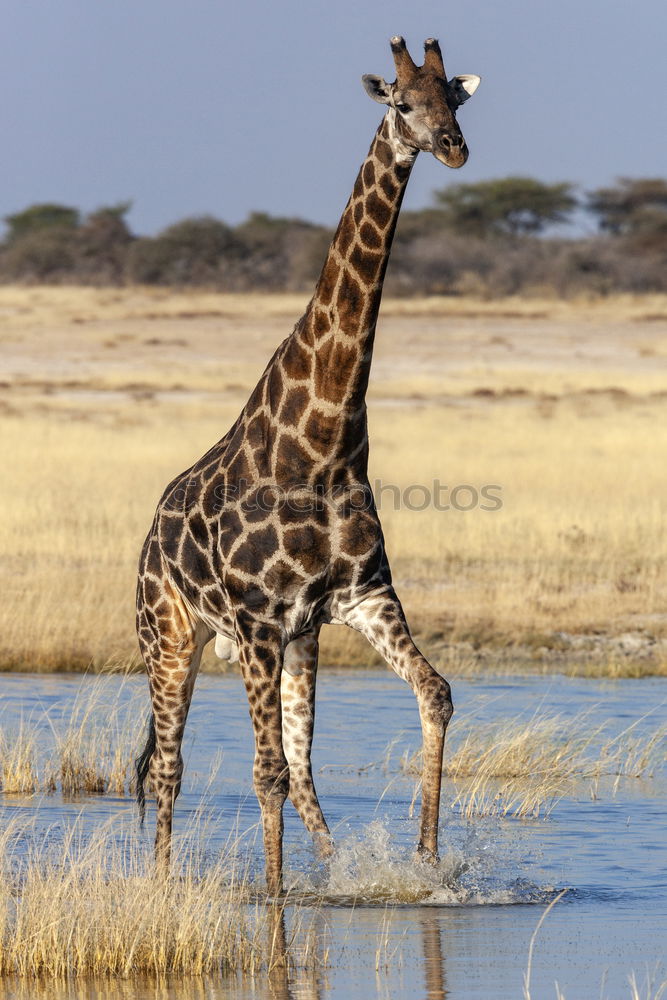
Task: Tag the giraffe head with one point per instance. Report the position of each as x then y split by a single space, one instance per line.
425 102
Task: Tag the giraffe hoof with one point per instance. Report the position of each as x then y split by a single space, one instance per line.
324 846
427 856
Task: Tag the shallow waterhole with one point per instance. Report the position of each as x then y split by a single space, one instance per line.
378 919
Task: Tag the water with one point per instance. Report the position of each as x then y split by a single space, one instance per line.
389 925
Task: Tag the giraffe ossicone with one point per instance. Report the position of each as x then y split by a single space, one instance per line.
274 531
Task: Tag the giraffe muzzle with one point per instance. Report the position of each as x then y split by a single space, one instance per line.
450 150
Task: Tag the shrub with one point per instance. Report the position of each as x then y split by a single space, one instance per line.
191 252
41 255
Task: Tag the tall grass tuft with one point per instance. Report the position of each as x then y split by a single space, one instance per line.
522 768
93 907
18 771
90 751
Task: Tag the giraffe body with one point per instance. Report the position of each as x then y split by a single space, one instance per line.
274 531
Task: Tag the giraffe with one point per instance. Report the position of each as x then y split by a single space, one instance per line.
274 531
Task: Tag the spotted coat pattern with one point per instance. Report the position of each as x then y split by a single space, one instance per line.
274 532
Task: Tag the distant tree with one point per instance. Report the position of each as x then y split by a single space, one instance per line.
416 224
108 223
635 207
280 253
511 206
102 242
263 230
192 251
39 217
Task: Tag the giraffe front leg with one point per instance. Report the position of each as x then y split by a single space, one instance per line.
435 711
382 621
297 692
261 648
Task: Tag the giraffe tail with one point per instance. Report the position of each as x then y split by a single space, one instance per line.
141 765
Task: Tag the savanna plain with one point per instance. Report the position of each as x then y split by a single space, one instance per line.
518 460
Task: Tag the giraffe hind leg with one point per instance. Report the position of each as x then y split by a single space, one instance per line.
172 660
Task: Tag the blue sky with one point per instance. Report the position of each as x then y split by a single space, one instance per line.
199 106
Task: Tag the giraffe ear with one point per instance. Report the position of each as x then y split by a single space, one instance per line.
464 86
377 88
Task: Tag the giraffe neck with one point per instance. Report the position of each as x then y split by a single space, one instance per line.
341 317
331 347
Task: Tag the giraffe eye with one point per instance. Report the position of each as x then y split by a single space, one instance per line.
403 108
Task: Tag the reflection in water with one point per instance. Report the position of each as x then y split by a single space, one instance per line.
297 965
294 973
279 960
434 960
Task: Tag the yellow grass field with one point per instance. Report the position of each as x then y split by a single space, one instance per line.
555 411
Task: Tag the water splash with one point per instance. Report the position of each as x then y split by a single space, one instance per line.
372 868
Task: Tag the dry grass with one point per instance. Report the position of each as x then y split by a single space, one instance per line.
110 393
523 768
75 904
650 988
91 908
18 771
95 752
23 306
90 751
